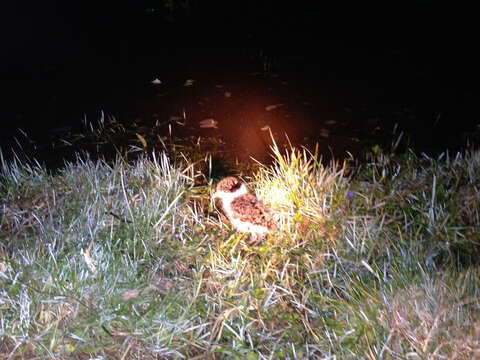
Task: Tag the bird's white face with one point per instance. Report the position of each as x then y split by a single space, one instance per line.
227 196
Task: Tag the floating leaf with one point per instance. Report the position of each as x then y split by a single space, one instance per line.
208 123
273 107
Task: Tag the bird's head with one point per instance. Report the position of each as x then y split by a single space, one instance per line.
229 186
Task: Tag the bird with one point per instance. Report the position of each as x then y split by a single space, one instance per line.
246 213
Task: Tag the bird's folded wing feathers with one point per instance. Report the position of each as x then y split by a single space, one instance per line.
248 208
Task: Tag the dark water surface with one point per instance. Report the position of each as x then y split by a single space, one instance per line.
339 86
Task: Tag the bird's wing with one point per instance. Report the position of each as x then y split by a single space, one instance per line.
247 208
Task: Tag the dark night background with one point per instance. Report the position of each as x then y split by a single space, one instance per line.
62 61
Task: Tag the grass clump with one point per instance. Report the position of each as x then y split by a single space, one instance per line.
300 189
130 260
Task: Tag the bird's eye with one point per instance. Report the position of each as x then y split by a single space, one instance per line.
236 185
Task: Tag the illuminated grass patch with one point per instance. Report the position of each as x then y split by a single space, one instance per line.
131 260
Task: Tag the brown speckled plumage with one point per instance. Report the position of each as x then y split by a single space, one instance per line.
243 209
229 184
248 208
